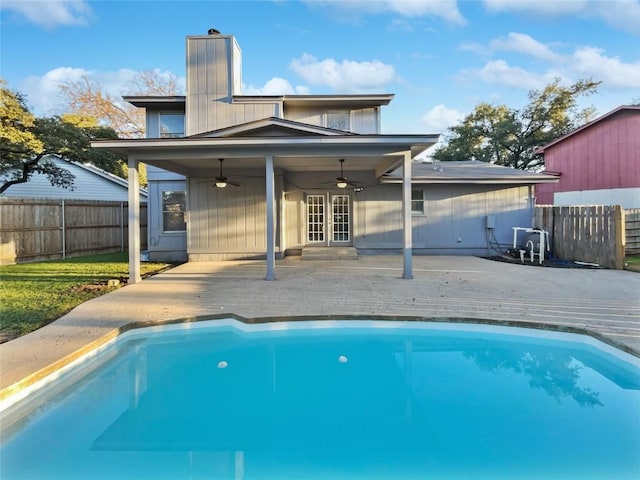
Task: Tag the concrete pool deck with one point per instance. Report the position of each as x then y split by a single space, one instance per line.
603 302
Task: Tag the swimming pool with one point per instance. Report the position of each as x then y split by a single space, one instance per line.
333 400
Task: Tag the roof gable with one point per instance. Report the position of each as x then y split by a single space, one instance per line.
271 127
624 110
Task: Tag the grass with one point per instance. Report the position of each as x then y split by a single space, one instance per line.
34 294
632 262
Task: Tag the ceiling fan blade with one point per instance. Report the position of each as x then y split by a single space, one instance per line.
353 183
235 184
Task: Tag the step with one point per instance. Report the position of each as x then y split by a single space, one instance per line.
329 253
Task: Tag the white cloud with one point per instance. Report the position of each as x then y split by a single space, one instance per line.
590 61
550 8
475 48
620 14
43 94
50 13
445 9
583 62
347 76
499 72
522 43
275 86
440 118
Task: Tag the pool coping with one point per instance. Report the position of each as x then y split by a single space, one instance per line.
43 373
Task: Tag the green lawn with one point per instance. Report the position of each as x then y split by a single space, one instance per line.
632 262
34 294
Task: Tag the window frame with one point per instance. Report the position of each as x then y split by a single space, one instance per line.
170 134
164 211
418 212
346 113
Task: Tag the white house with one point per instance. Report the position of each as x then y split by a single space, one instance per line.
238 176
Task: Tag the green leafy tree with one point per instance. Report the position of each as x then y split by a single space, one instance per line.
505 136
27 141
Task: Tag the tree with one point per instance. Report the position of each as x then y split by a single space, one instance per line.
510 137
27 141
87 98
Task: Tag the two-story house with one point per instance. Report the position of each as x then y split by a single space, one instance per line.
239 176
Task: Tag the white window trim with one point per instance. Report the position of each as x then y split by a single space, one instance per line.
171 134
423 211
162 212
341 112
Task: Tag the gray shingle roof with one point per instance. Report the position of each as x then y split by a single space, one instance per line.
468 172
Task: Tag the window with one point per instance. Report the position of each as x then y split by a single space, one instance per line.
417 202
339 120
171 125
174 205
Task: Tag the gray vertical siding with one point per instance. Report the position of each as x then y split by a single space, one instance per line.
455 218
363 121
294 230
210 87
229 222
208 80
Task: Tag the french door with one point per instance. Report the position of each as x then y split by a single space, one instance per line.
329 219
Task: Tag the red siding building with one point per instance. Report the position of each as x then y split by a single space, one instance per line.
598 164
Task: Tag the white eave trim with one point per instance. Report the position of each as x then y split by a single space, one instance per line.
473 181
402 141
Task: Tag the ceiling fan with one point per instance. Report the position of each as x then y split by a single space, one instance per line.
342 181
221 180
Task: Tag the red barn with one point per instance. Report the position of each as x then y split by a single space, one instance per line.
598 164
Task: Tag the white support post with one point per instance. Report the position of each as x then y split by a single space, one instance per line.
406 216
271 231
134 222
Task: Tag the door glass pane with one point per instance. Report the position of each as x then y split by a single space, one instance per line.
315 218
341 214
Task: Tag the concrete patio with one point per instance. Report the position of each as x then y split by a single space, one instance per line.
604 302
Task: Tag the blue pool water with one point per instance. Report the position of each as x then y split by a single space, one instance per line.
333 400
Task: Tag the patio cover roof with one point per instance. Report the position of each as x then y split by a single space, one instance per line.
197 155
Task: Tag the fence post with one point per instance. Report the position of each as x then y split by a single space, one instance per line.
620 236
122 226
64 235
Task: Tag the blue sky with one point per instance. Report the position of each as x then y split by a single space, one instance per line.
440 58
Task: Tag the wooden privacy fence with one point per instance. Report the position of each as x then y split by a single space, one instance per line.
594 234
632 229
41 229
